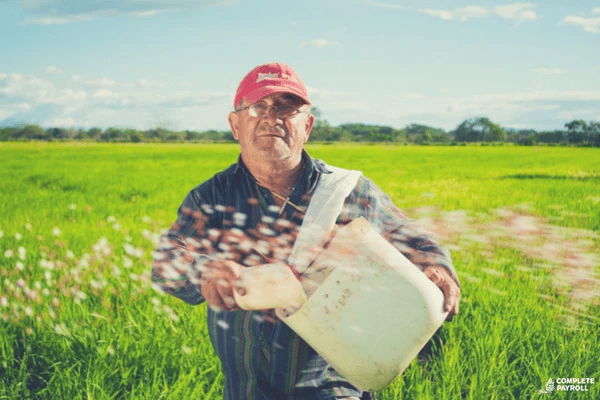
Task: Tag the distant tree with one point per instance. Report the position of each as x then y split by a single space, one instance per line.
479 129
113 135
322 131
8 133
32 132
191 136
576 131
556 136
94 133
593 129
57 133
418 133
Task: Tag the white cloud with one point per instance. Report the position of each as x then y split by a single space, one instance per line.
147 83
148 13
51 69
78 95
462 14
324 93
319 43
548 71
57 20
102 82
465 13
53 12
587 24
84 101
443 14
517 12
104 94
62 121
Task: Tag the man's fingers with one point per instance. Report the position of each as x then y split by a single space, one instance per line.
442 278
218 282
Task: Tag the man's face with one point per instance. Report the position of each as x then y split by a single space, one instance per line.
271 138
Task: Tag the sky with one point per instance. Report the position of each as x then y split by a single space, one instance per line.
176 63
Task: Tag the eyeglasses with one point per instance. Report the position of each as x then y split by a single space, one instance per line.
261 110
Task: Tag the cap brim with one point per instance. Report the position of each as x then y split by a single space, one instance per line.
265 91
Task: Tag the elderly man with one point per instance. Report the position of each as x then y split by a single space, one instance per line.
273 180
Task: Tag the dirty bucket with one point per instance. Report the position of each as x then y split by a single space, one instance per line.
269 286
372 313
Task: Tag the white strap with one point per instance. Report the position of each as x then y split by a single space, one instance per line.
325 206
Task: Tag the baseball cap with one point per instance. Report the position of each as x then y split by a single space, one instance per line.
267 79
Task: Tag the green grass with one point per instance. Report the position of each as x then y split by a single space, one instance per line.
80 320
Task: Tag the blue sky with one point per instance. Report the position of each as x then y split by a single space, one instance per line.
177 63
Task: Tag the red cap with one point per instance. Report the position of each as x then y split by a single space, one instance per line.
268 79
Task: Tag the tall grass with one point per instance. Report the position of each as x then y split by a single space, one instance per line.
80 318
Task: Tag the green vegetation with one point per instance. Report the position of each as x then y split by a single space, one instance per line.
474 130
79 318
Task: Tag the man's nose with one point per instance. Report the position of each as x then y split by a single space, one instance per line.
272 117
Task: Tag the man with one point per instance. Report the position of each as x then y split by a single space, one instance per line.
220 229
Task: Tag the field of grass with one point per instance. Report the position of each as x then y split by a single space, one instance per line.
80 319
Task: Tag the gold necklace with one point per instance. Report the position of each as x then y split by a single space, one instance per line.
286 201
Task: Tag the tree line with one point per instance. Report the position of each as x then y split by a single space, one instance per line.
473 130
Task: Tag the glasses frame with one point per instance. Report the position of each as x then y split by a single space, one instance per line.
254 114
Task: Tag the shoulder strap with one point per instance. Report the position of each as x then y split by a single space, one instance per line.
325 206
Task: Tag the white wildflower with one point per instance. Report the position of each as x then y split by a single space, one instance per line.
9 253
111 219
61 329
70 254
18 236
73 206
127 262
132 251
22 252
46 264
56 231
28 226
146 219
20 266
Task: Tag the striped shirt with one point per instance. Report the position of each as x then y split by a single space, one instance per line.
262 360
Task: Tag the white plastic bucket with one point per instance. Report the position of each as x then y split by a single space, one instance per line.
373 312
269 286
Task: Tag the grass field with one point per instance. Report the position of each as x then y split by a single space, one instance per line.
80 320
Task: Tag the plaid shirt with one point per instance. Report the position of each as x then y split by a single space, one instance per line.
263 360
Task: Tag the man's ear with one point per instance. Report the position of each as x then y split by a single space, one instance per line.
310 122
233 124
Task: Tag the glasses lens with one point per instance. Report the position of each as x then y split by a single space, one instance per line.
258 110
286 111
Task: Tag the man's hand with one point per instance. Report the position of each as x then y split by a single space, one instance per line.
218 281
442 278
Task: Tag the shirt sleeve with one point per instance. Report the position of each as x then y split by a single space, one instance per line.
405 234
179 258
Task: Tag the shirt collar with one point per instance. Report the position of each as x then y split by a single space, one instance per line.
310 164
